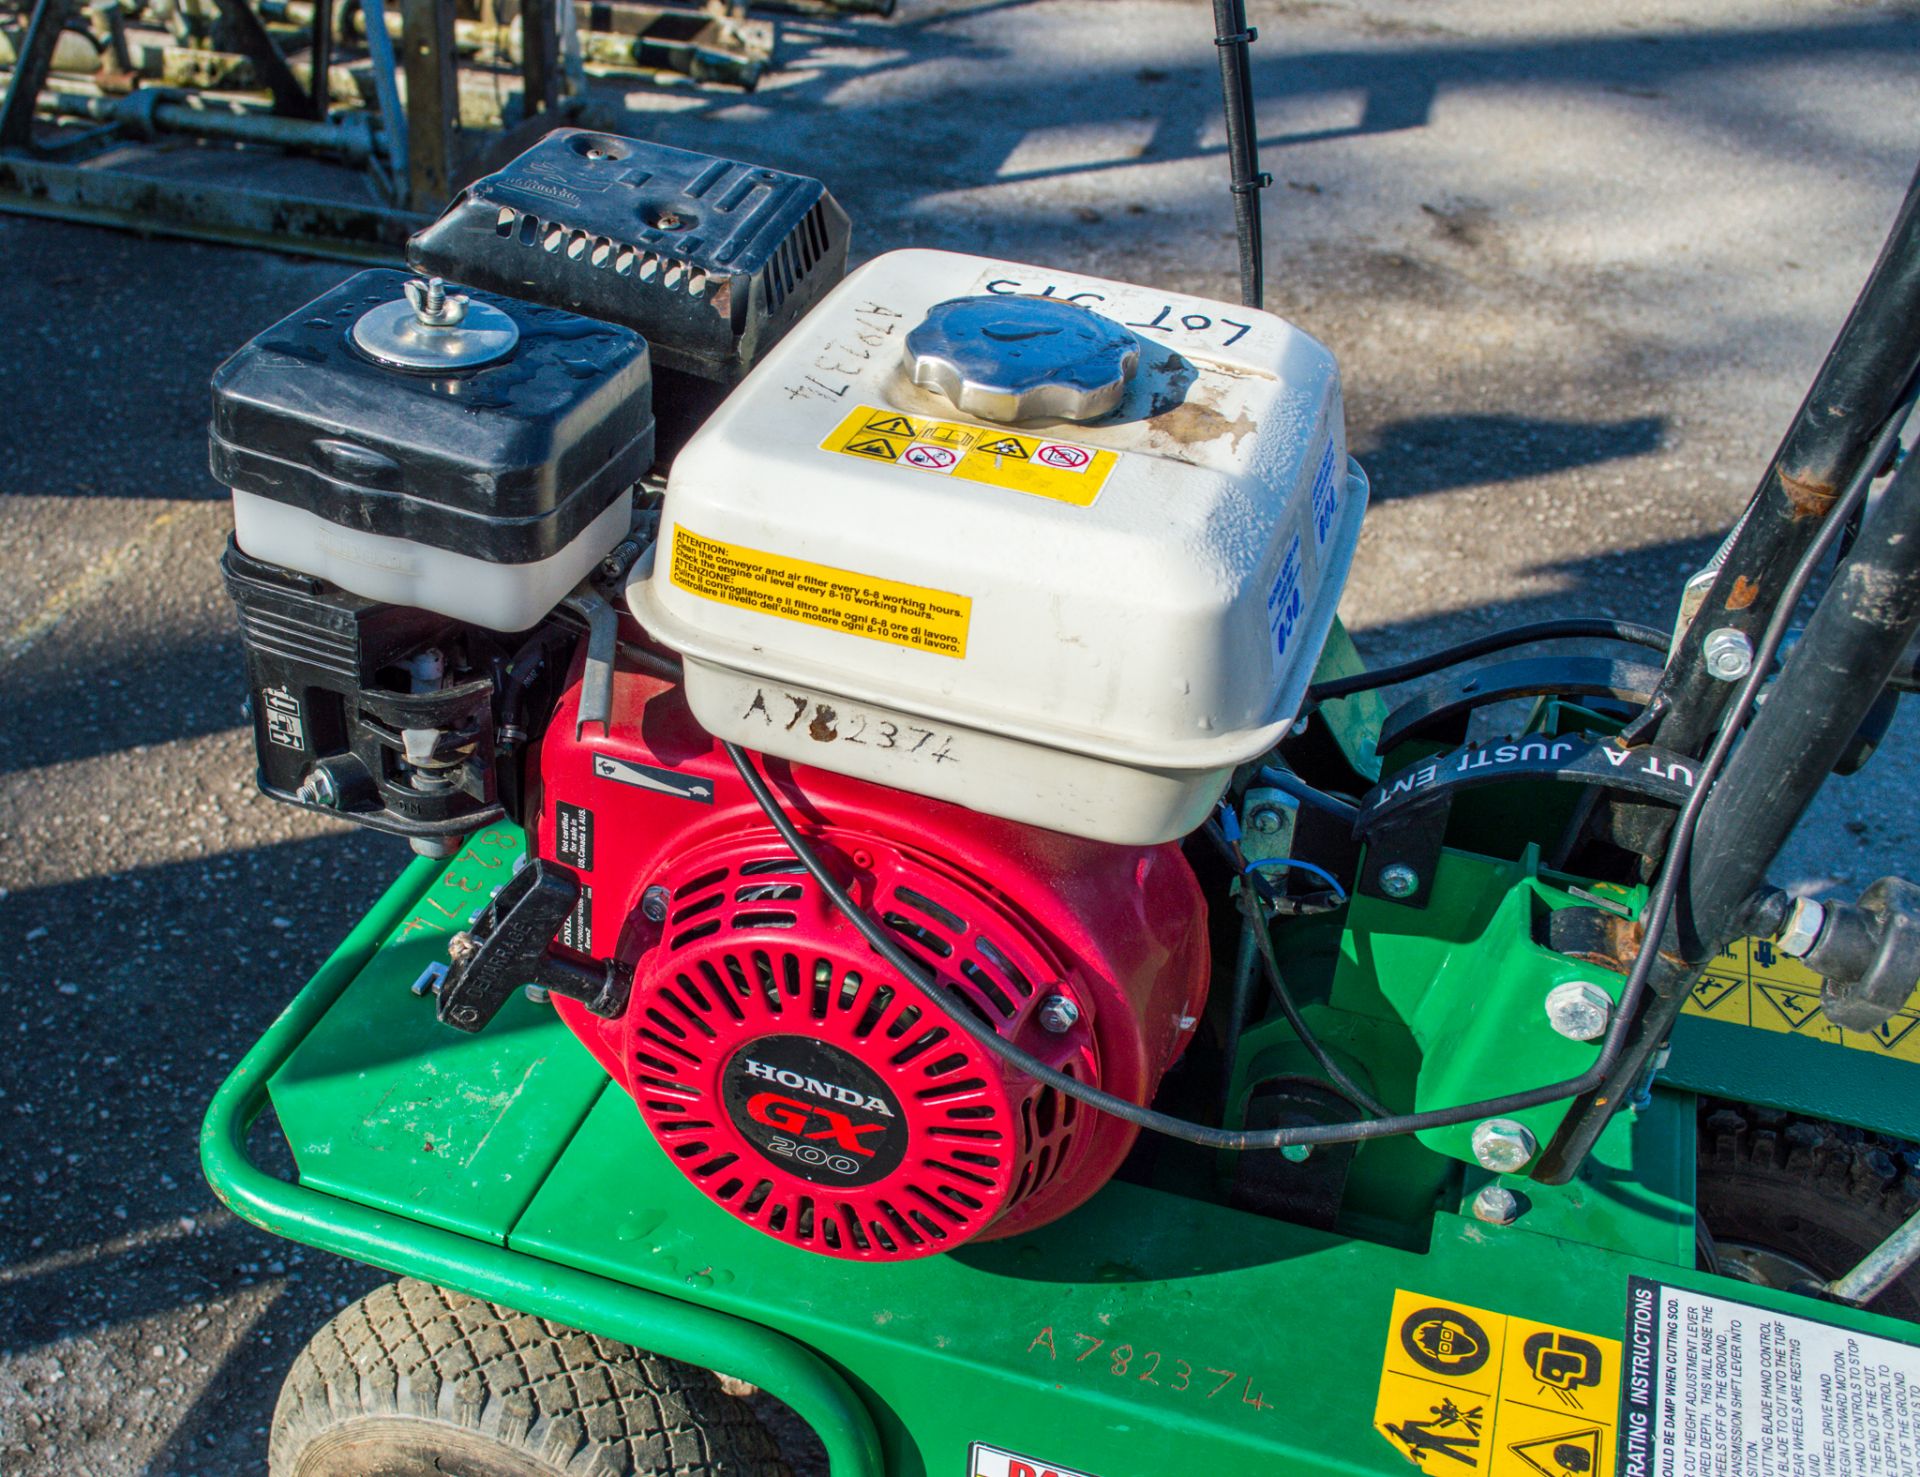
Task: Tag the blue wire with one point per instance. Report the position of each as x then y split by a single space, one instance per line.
1292 863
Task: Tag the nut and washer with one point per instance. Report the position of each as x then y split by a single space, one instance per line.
1399 880
1504 1146
1266 820
1729 654
653 904
1580 1011
317 788
1802 930
1058 1014
1496 1205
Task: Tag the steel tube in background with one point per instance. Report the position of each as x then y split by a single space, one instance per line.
1857 387
150 111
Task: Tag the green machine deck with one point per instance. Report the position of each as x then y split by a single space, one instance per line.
1146 1335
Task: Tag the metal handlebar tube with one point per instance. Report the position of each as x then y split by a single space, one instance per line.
1855 639
1857 387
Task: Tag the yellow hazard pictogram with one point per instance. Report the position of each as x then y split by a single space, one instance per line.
1040 466
1463 1388
1753 984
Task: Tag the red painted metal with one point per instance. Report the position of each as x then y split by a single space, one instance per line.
796 1078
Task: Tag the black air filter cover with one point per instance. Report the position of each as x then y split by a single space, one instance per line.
711 260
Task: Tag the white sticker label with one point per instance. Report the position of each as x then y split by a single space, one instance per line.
991 1461
1714 1385
285 722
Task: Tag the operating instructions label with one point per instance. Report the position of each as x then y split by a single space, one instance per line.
1715 1386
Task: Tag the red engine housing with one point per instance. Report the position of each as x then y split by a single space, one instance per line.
789 1072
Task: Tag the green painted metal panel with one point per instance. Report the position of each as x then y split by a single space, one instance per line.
1148 1333
1797 1075
384 1105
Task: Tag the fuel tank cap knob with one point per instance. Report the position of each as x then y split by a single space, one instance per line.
1011 359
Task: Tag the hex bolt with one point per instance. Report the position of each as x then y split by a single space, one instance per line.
1579 1010
317 788
1504 1146
1802 930
653 904
1296 1153
1399 880
537 994
462 947
1266 820
1058 1014
1496 1205
1728 652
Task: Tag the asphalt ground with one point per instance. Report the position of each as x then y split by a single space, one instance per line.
1578 263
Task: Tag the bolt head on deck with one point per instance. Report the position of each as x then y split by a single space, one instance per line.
1579 1010
1504 1146
1496 1205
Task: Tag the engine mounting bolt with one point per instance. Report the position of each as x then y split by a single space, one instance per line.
462 947
1504 1146
1266 820
1802 930
1579 1010
537 994
1397 879
317 788
1496 1205
1728 652
1058 1014
653 904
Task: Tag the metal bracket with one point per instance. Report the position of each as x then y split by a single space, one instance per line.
506 948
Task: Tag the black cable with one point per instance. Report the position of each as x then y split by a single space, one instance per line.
1232 35
1338 1075
1595 627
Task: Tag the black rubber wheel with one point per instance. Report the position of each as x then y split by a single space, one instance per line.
414 1381
1784 1198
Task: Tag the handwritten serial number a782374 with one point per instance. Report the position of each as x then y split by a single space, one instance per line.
1141 1365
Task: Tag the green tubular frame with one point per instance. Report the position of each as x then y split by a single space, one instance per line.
662 1325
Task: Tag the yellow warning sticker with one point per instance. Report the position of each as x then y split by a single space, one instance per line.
1486 1392
836 599
1753 984
1065 471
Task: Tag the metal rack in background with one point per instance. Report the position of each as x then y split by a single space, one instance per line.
326 127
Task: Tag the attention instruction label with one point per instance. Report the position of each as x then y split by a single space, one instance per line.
835 599
1752 983
1717 1386
1463 1389
1065 471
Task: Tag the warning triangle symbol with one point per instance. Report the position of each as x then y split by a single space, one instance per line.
1894 1030
891 425
1796 1007
1007 446
875 446
1714 991
1573 1454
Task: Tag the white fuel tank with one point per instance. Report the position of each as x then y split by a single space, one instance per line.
1056 548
